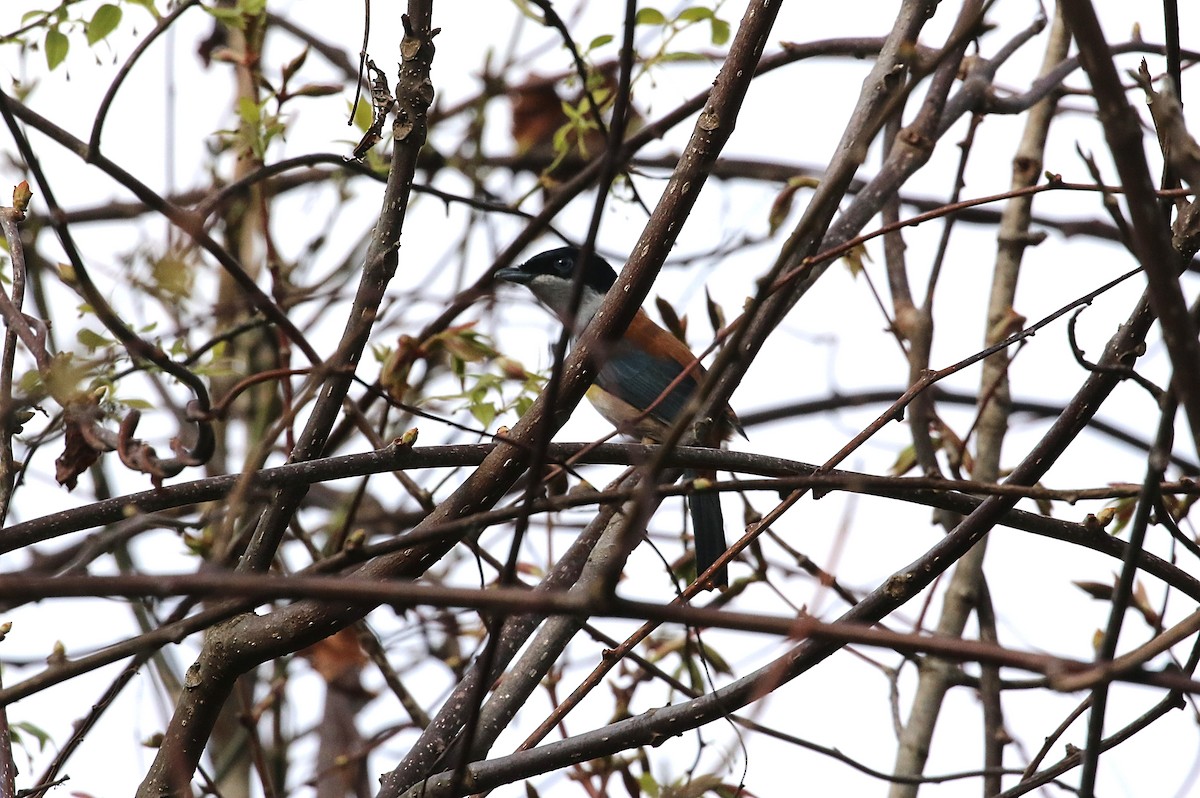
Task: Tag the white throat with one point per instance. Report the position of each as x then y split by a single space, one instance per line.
555 293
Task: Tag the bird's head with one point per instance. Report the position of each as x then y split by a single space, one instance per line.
549 276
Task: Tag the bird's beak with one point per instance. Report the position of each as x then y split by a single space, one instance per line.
513 275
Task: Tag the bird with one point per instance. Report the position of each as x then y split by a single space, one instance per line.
634 374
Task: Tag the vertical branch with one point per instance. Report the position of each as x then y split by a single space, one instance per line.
244 227
916 323
1156 465
246 238
880 89
1150 231
10 217
414 95
228 650
913 325
962 594
8 767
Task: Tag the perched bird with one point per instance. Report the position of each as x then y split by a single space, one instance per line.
634 373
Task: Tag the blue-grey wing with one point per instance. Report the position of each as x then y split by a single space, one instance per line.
639 379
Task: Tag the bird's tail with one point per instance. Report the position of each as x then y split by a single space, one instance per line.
708 526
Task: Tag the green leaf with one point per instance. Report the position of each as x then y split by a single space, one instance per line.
33 731
720 31
599 41
560 139
30 383
695 14
63 377
906 461
56 47
682 57
649 786
649 16
171 278
103 22
484 413
576 115
249 111
363 114
91 339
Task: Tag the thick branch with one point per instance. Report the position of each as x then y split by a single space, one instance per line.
1151 232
